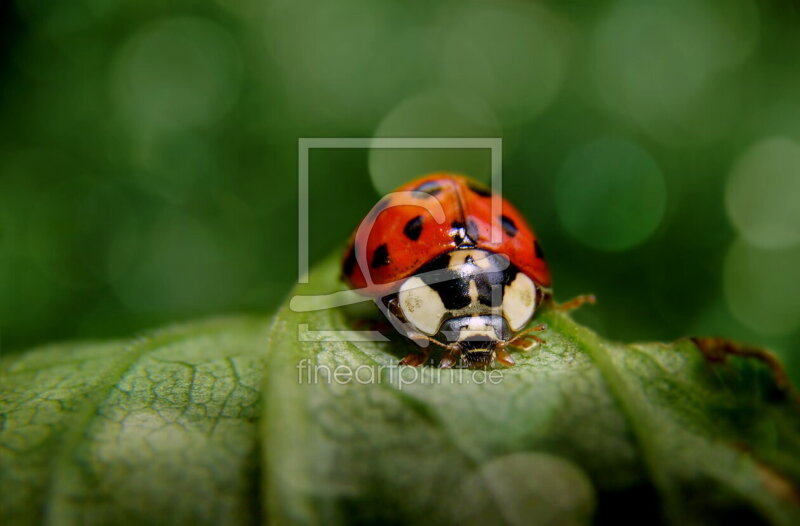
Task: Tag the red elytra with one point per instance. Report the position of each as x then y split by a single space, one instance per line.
430 216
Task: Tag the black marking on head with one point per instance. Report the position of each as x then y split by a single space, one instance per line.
509 227
429 187
538 248
452 327
413 228
380 257
350 261
469 259
479 189
476 342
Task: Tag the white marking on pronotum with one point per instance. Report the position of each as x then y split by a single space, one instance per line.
421 305
519 301
473 292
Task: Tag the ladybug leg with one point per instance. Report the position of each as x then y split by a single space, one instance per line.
449 359
505 358
528 342
525 340
415 359
418 358
575 302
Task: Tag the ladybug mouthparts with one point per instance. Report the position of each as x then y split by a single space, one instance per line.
478 352
479 359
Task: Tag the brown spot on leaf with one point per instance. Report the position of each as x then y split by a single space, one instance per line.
718 350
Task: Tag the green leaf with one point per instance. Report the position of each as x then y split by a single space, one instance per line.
225 422
580 428
159 429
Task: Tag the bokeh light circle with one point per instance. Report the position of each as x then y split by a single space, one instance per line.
762 287
177 72
610 194
762 195
437 115
512 54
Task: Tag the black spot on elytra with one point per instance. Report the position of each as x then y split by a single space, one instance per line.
538 248
430 188
509 227
350 261
380 257
413 228
480 190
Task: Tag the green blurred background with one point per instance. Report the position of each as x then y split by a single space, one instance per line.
148 152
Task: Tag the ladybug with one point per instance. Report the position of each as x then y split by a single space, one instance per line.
449 262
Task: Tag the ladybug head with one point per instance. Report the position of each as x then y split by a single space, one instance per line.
476 338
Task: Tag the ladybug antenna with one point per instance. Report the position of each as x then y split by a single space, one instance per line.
448 346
